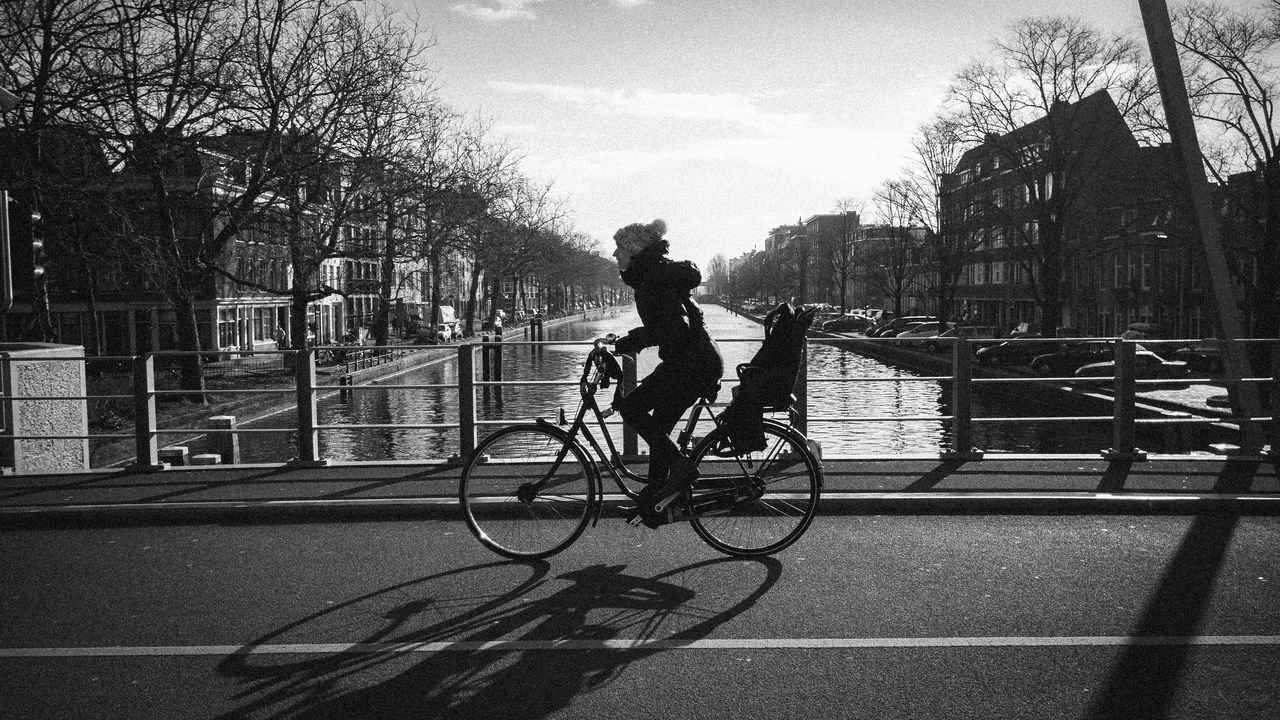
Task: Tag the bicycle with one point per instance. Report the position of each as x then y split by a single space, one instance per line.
528 491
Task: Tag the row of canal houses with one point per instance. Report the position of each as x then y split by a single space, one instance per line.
1071 197
118 309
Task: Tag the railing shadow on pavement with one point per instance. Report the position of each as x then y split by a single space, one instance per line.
1146 679
481 653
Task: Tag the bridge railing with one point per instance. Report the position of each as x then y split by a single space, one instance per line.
300 387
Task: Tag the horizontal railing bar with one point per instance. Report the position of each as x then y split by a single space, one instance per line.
947 418
391 426
397 386
21 398
69 437
230 391
908 378
879 418
220 431
905 378
526 383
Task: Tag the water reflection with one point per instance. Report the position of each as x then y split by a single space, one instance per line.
563 362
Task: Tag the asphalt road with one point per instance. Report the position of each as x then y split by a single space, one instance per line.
867 616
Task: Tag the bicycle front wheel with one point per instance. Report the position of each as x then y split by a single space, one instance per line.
527 491
755 503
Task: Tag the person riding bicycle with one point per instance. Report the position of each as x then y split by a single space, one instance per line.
690 364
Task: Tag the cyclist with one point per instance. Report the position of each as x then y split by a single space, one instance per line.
690 365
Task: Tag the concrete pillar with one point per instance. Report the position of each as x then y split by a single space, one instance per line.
224 442
39 371
176 456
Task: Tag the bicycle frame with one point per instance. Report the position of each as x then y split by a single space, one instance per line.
592 376
613 460
715 487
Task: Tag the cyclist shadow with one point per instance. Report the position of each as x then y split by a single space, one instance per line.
600 621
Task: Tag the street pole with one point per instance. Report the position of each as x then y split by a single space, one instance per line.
1177 108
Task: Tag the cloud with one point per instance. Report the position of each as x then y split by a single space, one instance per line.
505 10
734 108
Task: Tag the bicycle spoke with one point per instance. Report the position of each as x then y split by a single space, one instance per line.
526 492
777 493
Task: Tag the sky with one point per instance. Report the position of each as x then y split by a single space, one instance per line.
726 118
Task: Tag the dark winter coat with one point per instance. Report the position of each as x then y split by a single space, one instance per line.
672 320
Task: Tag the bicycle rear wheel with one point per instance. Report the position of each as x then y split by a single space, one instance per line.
527 491
755 503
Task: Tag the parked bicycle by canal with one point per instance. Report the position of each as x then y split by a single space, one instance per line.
530 490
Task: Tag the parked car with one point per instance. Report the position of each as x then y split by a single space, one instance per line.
847 323
972 332
1146 364
1099 355
894 325
1205 357
926 329
444 333
1018 351
1068 359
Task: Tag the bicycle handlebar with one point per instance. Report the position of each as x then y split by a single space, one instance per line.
601 359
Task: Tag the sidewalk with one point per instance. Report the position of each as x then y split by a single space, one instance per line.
1009 484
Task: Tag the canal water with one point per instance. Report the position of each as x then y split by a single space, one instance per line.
389 402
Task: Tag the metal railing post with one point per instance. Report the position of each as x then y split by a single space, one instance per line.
630 441
1273 428
800 418
308 437
144 411
962 401
466 400
1125 411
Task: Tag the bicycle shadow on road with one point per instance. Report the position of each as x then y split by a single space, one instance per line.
570 634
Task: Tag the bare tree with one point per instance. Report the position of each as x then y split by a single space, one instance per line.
893 252
164 78
55 161
718 274
1232 60
1041 103
837 247
915 195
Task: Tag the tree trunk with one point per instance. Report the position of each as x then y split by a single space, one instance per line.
386 284
298 318
190 366
435 287
473 293
495 297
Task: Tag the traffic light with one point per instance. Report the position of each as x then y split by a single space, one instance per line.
37 247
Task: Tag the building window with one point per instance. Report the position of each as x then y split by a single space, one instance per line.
998 273
226 328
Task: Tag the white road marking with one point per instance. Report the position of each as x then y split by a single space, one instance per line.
636 644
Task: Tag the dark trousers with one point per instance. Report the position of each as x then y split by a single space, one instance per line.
655 406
